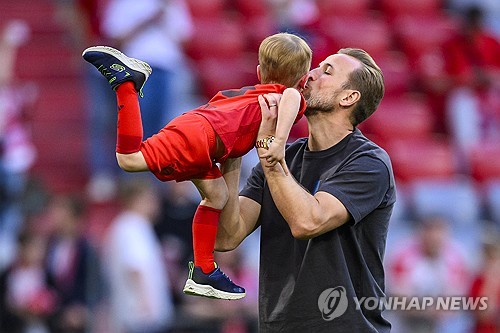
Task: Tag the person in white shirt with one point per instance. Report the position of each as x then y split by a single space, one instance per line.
139 286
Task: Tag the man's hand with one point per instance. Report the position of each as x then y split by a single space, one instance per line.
269 108
275 154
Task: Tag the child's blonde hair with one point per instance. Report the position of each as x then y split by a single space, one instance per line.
284 58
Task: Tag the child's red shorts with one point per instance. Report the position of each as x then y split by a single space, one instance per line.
182 150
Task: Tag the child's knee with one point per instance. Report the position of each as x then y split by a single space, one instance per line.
216 195
219 197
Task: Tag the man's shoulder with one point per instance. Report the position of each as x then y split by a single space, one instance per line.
361 145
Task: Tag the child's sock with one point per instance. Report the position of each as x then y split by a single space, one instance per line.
129 133
205 222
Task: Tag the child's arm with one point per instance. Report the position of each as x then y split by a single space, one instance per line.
287 112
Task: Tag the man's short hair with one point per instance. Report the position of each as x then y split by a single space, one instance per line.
284 58
368 80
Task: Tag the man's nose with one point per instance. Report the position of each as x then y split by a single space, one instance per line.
313 74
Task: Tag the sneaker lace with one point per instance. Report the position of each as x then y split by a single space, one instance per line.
227 277
104 71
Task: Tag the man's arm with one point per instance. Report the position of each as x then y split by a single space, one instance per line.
307 215
239 217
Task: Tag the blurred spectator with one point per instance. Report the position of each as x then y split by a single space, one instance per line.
487 283
472 60
26 299
429 264
179 202
72 265
491 9
17 153
153 31
139 287
82 18
294 14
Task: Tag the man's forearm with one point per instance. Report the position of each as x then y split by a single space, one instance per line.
295 204
307 215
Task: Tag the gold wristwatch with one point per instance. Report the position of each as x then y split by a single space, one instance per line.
265 142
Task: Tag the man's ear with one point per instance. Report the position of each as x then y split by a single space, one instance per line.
351 97
258 73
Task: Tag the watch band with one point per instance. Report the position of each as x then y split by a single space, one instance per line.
265 142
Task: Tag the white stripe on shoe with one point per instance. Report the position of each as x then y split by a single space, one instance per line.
193 288
132 63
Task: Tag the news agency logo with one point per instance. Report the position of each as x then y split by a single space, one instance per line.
333 303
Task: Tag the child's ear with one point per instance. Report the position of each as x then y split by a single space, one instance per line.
258 73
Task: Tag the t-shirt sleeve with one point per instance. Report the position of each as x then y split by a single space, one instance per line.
361 185
254 186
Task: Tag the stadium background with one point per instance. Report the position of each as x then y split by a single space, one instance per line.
422 122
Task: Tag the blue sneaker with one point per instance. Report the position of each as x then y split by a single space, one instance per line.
213 285
116 67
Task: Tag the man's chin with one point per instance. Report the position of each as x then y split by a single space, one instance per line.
310 112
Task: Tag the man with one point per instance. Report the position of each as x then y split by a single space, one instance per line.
323 225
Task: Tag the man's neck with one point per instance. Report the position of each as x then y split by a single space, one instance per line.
326 130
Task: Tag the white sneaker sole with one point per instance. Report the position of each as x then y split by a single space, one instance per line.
132 63
193 288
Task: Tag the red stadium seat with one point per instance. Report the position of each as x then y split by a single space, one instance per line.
216 74
254 8
370 33
485 161
216 39
401 118
397 73
259 27
395 8
420 159
206 9
419 35
348 8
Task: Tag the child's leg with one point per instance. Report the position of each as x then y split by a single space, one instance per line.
126 76
214 194
204 278
129 129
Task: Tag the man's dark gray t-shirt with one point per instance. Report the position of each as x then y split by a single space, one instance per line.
294 273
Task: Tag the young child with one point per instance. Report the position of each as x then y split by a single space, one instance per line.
189 147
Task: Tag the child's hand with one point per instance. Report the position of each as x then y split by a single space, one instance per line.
276 154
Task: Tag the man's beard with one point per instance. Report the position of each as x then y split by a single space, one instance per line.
317 105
